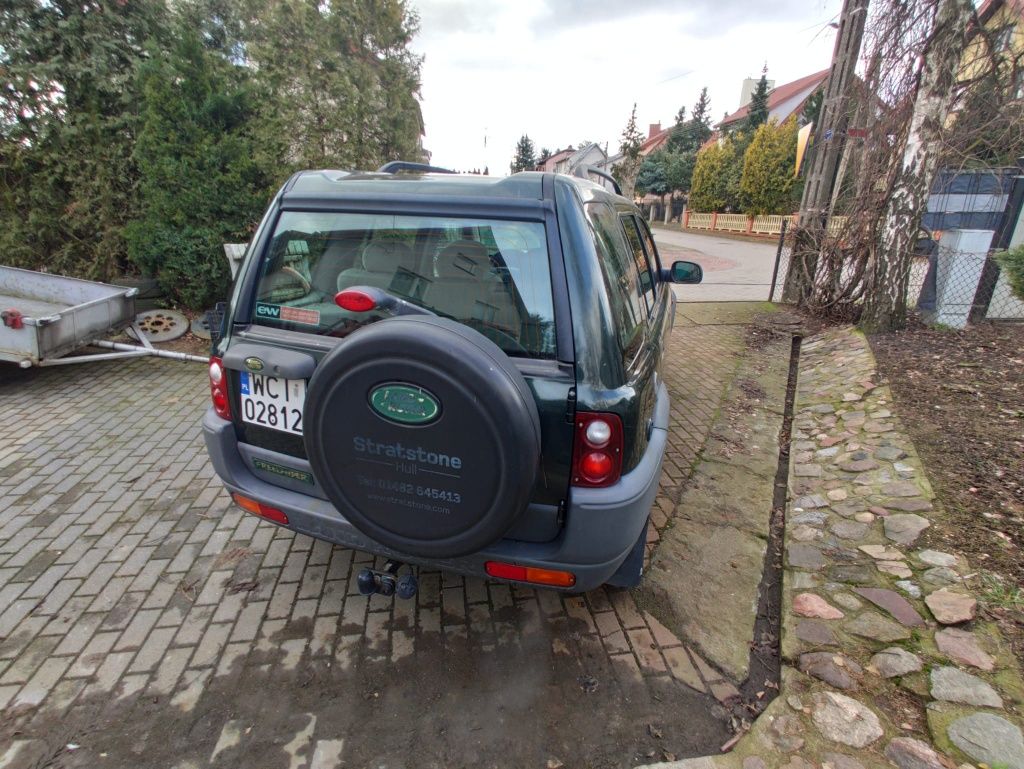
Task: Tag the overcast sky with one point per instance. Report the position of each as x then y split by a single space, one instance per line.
564 71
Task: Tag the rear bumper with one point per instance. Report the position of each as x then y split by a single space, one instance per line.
601 525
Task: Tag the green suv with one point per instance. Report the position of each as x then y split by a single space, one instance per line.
454 371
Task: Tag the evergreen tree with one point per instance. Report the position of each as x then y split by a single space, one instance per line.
757 114
67 124
678 135
652 175
691 135
628 167
525 159
338 82
767 182
679 171
702 109
812 107
676 162
736 146
716 176
127 130
200 185
707 193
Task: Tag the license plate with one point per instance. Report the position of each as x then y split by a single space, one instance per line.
269 401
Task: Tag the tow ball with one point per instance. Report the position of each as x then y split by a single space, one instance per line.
387 582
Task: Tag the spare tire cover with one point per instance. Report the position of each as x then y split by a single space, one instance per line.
424 435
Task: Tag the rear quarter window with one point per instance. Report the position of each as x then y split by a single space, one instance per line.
491 275
643 266
622 280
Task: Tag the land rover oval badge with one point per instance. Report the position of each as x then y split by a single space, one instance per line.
254 364
404 404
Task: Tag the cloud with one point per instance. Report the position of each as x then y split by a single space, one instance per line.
448 17
559 15
489 71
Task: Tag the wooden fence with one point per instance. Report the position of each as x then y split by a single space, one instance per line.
700 221
749 225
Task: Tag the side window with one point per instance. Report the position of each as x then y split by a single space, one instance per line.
643 267
652 249
621 277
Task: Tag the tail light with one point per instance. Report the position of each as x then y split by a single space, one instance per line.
597 451
219 388
532 574
260 509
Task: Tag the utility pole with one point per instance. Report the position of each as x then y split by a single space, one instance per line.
829 139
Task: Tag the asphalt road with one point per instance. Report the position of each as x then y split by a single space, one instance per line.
734 270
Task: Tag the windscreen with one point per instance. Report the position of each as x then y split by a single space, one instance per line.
491 275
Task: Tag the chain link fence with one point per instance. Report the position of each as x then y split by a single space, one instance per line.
945 285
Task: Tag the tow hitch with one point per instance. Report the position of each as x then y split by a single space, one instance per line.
388 582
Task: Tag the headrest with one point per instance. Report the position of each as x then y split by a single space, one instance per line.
387 256
462 259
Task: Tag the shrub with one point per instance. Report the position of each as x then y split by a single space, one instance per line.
1012 262
767 183
200 186
188 262
708 192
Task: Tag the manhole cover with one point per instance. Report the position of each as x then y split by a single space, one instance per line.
161 325
201 326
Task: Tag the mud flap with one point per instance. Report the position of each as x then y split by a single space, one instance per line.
632 569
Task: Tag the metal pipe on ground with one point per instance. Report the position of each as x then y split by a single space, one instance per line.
123 351
170 354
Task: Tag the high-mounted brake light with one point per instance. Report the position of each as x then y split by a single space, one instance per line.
219 388
260 509
355 301
532 574
597 451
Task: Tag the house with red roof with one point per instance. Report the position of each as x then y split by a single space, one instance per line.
784 101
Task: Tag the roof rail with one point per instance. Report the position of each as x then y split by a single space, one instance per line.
583 172
397 166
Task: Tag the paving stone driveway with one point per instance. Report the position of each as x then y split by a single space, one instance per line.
145 621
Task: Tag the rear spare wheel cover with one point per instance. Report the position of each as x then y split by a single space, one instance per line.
424 435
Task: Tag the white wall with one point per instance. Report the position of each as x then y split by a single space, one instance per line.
1004 305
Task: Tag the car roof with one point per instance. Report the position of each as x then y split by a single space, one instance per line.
335 184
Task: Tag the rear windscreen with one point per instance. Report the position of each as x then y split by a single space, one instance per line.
491 275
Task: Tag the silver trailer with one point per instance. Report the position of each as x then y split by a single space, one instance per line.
45 317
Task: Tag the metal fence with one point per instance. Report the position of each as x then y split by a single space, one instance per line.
945 285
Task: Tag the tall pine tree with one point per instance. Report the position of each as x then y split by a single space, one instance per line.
200 185
701 112
67 126
338 82
525 159
628 167
757 114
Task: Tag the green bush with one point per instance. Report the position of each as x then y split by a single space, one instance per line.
1012 263
188 262
766 186
200 187
708 190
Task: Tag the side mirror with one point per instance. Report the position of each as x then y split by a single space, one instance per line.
686 272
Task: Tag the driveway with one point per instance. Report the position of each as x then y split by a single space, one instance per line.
734 269
145 621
